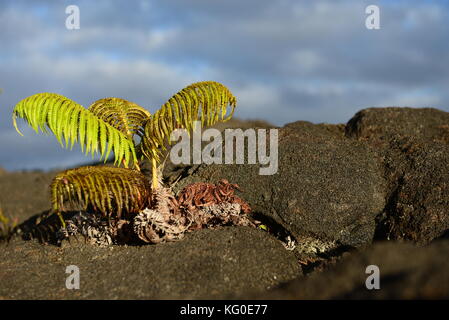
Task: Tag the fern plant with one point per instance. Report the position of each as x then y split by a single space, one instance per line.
118 126
7 226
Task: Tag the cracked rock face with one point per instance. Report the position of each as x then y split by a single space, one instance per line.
414 147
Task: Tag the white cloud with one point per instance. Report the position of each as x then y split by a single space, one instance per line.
305 59
254 98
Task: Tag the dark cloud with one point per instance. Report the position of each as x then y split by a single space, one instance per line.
284 59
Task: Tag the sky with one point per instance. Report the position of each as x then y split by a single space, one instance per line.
284 60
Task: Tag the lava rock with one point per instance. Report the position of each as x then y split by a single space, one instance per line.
418 202
377 123
205 264
23 194
406 272
327 187
414 147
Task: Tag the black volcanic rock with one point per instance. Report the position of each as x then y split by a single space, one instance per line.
327 187
379 123
406 272
206 264
418 201
413 145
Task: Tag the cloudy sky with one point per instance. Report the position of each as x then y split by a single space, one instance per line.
284 60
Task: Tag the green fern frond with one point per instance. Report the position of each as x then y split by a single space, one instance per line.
206 101
123 115
107 190
71 123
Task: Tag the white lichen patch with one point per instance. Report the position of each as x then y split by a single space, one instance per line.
308 245
289 243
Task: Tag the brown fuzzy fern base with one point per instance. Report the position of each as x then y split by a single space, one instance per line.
198 206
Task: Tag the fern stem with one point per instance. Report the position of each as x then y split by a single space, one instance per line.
61 219
154 174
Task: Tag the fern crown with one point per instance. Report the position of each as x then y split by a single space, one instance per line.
111 125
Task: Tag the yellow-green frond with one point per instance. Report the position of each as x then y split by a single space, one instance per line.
206 101
107 190
71 123
123 115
